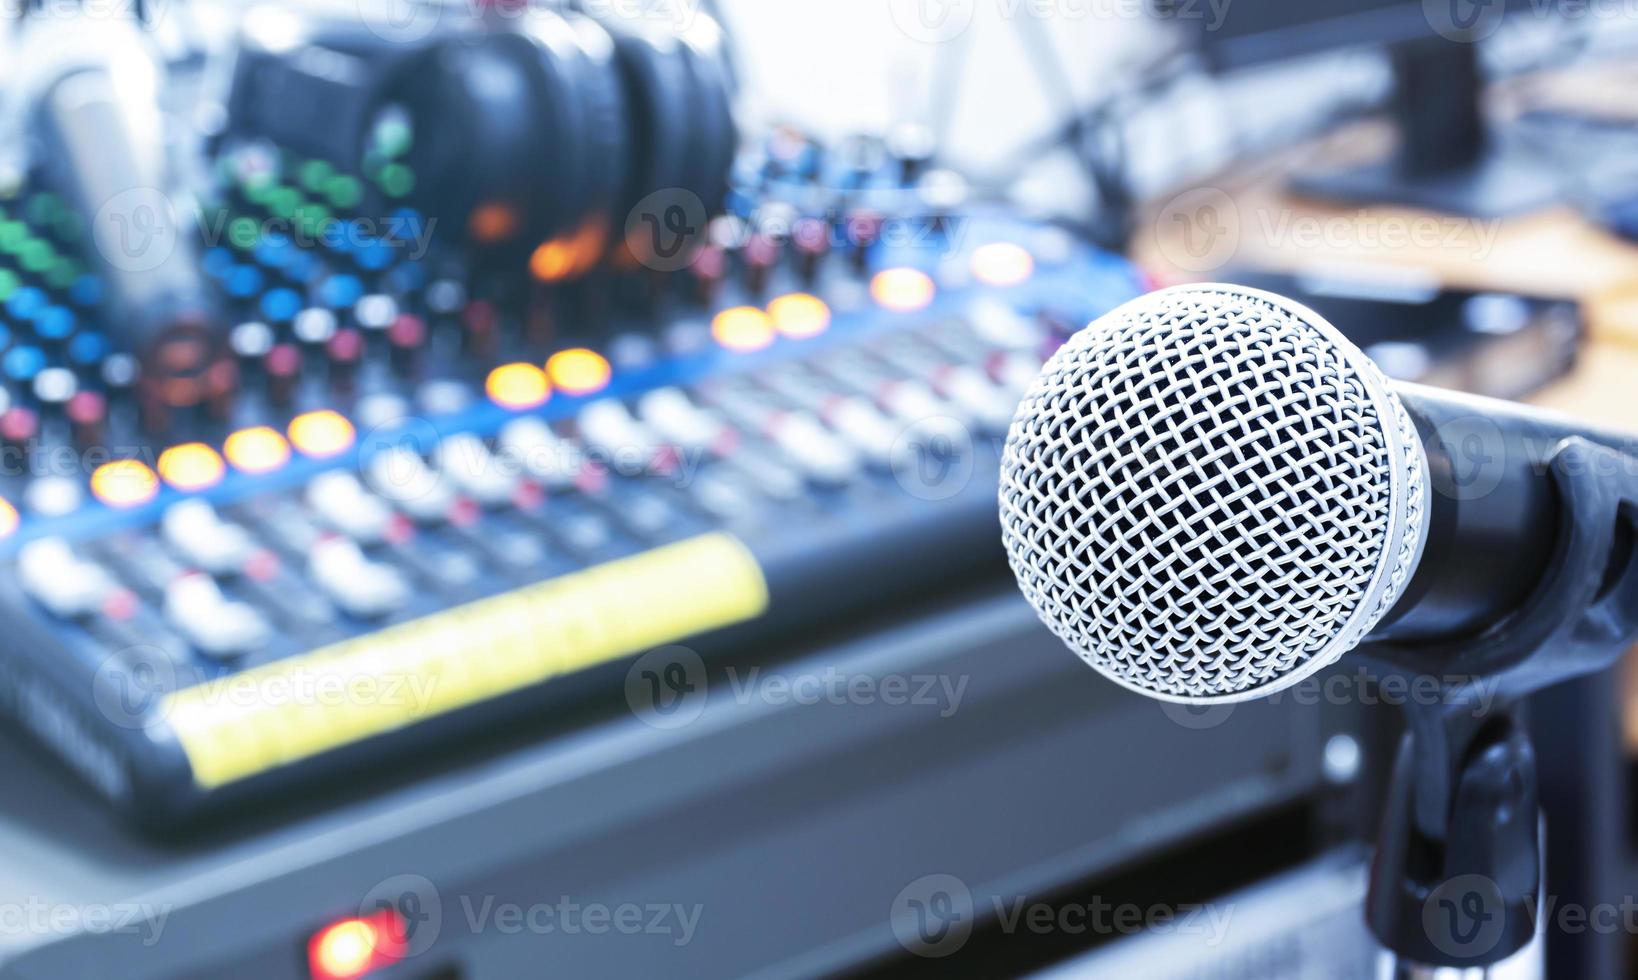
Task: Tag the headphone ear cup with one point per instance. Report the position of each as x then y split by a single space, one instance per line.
607 151
564 82
492 116
716 134
654 70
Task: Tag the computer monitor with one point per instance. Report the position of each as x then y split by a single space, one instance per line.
1447 159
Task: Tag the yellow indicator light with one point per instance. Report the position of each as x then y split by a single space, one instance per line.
1002 264
578 371
191 466
321 434
257 450
518 386
743 328
902 290
8 518
124 483
799 315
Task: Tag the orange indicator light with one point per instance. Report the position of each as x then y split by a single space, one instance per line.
191 466
321 434
578 371
257 450
491 223
124 483
903 290
799 315
743 328
8 518
518 386
1002 264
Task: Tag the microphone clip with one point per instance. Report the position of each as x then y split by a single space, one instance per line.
1457 877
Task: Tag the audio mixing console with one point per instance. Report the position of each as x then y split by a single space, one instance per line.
426 495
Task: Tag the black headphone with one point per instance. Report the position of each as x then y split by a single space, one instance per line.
548 127
554 129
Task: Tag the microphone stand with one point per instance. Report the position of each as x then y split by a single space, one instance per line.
1456 879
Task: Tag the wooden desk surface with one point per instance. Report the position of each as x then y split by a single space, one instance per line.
1244 217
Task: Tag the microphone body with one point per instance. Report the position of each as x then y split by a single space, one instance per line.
89 98
1493 510
1210 494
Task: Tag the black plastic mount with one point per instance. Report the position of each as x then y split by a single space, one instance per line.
1457 874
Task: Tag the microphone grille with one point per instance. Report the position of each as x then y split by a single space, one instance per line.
1210 494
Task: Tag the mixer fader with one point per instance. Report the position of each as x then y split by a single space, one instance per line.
445 375
419 494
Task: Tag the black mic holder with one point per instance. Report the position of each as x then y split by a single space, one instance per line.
1457 873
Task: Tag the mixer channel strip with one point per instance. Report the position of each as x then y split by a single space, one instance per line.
320 586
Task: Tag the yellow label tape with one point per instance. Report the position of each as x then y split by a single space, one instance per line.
301 706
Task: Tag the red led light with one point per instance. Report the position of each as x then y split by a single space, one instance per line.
356 947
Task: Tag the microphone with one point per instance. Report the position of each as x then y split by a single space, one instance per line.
1210 494
90 98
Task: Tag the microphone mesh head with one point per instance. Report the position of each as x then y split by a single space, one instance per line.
1210 494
